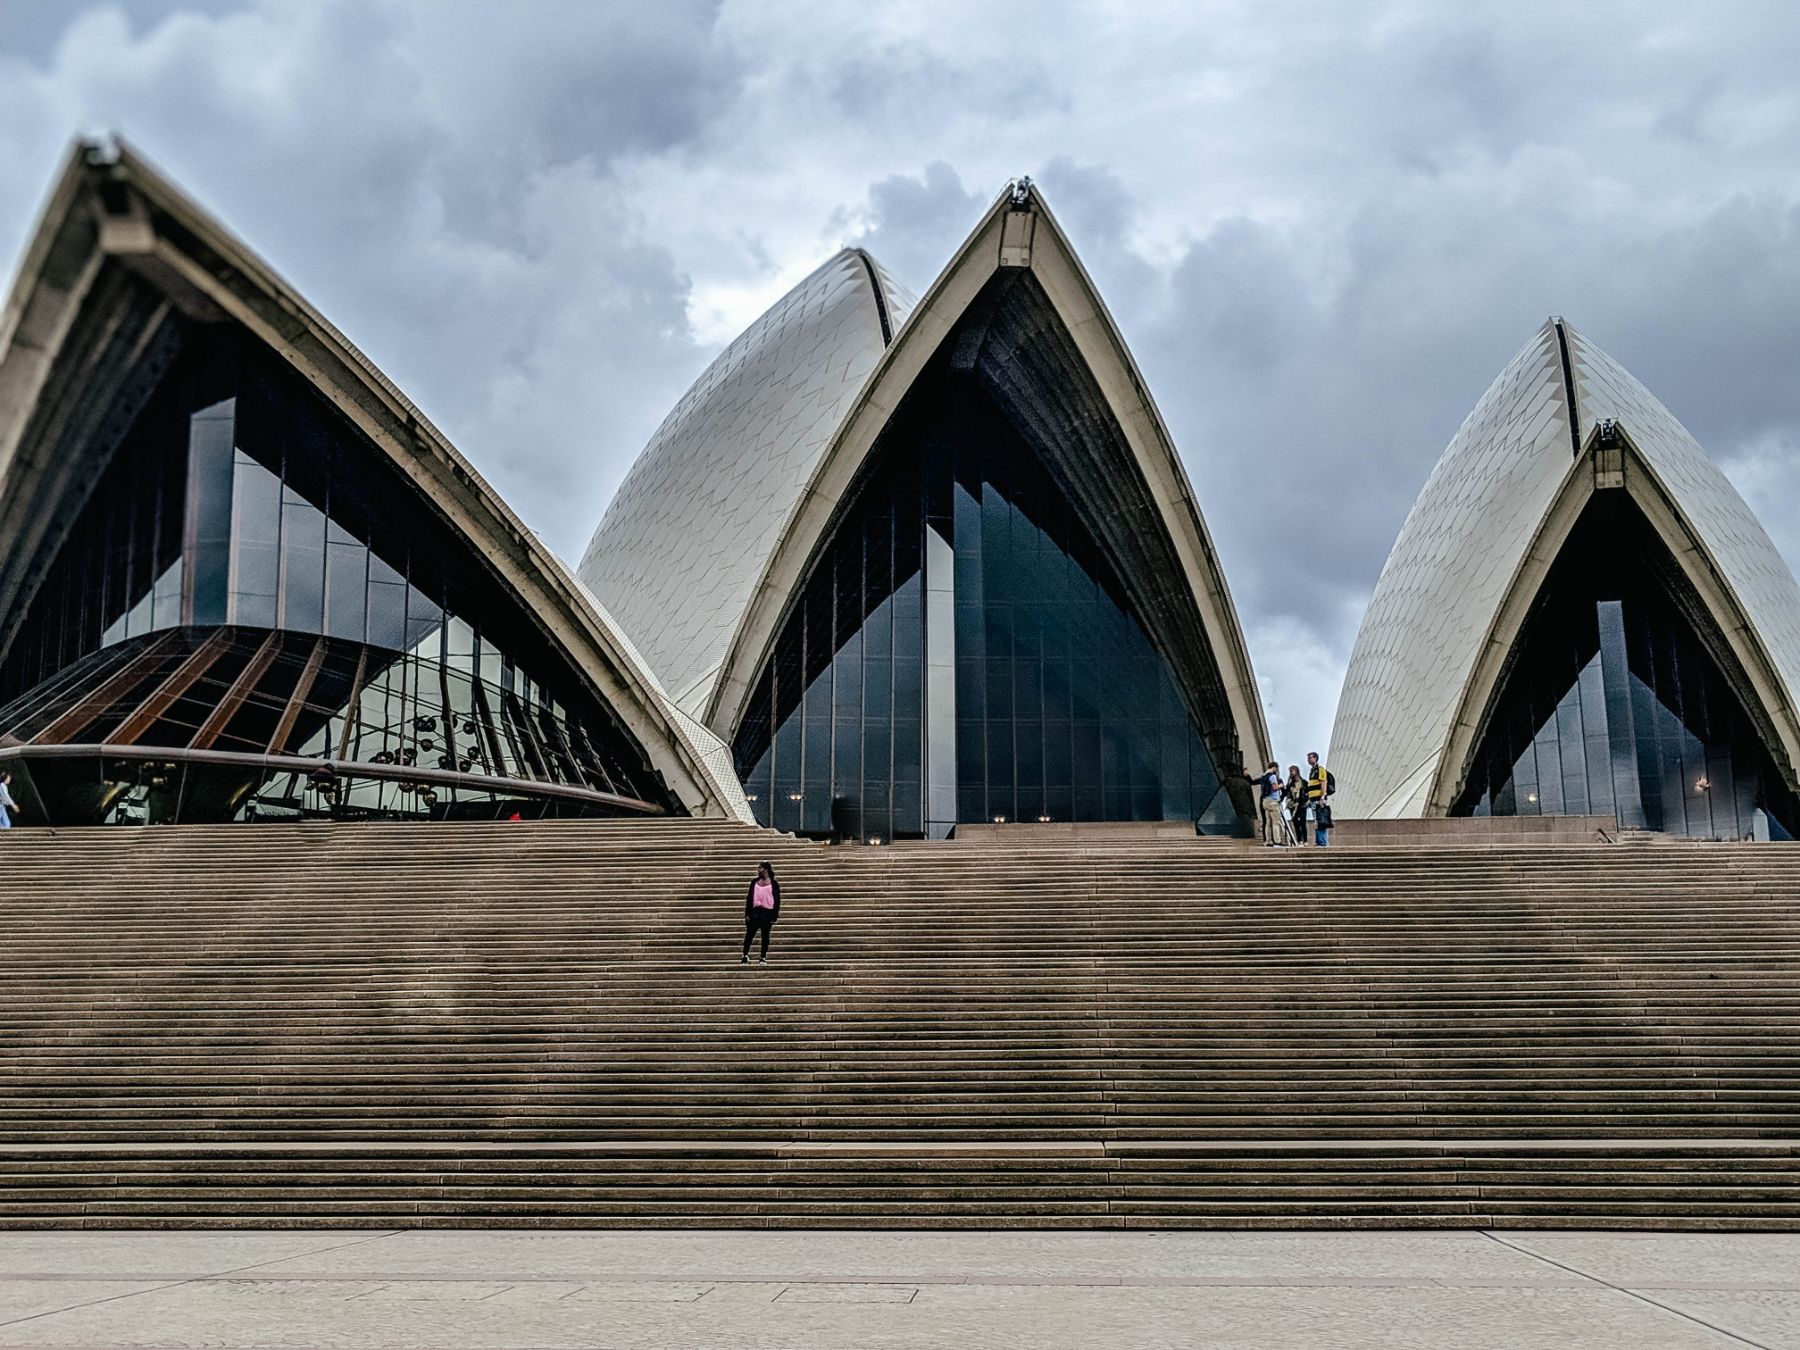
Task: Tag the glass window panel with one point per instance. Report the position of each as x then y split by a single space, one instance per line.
971 755
908 749
459 645
424 616
302 564
210 466
490 667
1028 747
909 687
346 588
816 754
847 682
877 753
165 600
255 543
878 690
818 701
846 762
387 605
1028 694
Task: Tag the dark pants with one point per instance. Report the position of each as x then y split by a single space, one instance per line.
1300 826
758 921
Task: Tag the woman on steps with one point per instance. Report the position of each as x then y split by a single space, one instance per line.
762 906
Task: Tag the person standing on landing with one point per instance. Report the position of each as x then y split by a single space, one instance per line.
1270 783
8 807
1296 803
1319 787
762 906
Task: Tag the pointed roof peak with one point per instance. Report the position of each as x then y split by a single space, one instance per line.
1484 526
112 214
1016 254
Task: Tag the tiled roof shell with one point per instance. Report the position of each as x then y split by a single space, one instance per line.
690 531
1453 565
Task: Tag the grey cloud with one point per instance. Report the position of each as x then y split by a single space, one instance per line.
31 29
445 189
1322 231
906 82
1098 212
916 222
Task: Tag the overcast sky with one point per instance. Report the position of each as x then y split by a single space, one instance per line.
1323 228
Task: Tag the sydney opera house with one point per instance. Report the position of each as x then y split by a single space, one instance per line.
1581 616
893 564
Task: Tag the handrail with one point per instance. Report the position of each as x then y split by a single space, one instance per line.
338 768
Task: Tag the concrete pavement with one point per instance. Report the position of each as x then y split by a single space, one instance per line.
562 1290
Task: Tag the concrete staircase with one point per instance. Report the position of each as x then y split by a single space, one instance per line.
537 1024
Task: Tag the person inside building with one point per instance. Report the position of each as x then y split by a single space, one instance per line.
1272 789
762 906
9 809
1294 798
1319 787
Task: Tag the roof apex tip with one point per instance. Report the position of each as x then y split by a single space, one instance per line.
1021 193
100 149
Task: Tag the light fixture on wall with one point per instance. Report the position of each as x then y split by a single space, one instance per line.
1043 820
999 820
1531 796
1703 785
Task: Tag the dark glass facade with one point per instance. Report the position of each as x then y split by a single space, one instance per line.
365 732
246 513
1617 702
964 650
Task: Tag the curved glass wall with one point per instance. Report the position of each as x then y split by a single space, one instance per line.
213 710
1615 703
964 651
241 500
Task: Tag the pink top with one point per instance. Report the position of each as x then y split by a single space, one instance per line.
764 898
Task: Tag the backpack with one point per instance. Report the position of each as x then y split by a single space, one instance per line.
1330 783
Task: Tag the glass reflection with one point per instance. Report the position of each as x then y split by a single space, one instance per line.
964 651
239 502
235 694
1616 702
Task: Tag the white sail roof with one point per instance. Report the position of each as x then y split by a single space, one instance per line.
1464 551
689 533
1069 363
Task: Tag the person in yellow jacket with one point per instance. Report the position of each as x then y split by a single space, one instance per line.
1319 787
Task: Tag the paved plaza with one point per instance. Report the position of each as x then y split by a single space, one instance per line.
525 1291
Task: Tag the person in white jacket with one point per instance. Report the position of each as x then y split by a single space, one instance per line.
8 807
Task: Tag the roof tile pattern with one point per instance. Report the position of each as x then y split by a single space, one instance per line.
1457 553
1740 547
1443 582
688 535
